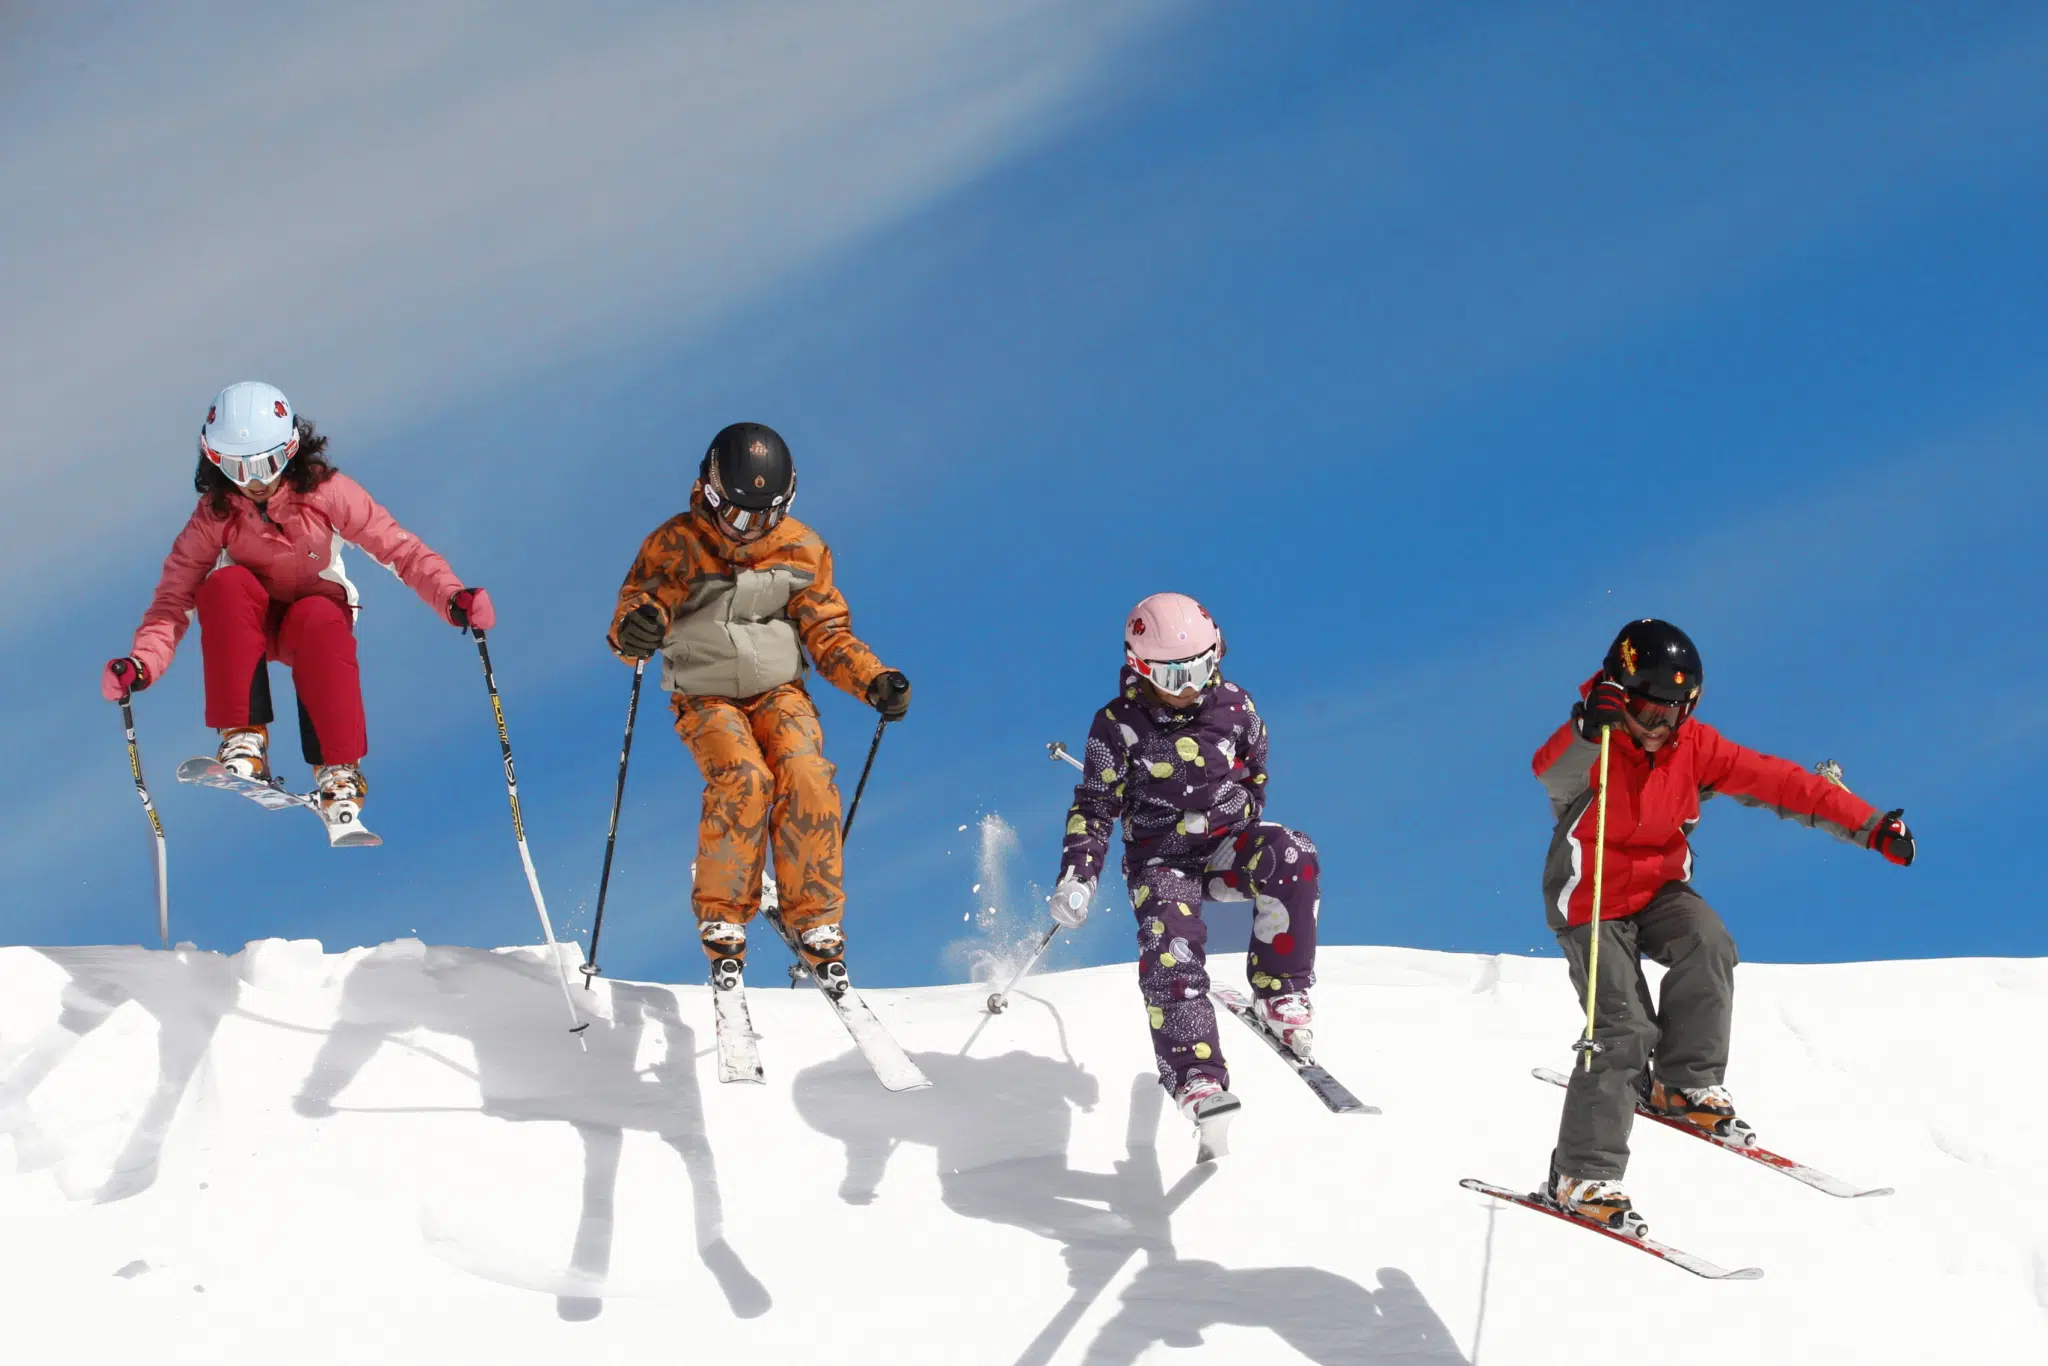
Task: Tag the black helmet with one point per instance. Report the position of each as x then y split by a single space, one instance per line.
1655 659
749 479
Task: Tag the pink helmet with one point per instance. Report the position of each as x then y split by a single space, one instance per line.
1172 629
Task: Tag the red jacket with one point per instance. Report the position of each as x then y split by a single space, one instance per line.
292 544
1653 802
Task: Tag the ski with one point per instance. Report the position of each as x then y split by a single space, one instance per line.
1805 1175
893 1067
272 796
739 1057
1317 1078
1698 1266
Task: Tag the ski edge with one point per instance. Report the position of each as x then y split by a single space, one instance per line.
1663 1252
1335 1095
1811 1177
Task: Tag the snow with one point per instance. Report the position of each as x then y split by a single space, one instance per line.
399 1153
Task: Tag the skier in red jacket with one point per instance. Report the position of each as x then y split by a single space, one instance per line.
1671 1052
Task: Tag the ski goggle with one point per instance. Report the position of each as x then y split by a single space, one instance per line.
739 520
1177 675
259 468
1651 714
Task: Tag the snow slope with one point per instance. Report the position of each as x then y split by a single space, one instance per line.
400 1154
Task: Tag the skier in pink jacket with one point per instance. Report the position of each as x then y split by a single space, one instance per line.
258 565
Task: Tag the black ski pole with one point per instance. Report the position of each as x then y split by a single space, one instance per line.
577 1024
156 825
611 839
862 785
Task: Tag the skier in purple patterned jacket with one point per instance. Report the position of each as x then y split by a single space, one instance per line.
1180 756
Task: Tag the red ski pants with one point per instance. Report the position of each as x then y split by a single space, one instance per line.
242 628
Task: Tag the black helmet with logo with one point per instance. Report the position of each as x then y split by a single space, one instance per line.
1654 659
749 478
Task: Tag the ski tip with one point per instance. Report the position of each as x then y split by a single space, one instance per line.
1865 1195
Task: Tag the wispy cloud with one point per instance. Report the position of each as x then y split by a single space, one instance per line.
385 208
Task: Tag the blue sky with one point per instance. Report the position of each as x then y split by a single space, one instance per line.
1424 346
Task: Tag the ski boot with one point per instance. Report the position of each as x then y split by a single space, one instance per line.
1204 1103
822 947
726 944
1598 1202
244 752
341 789
1287 1018
1708 1108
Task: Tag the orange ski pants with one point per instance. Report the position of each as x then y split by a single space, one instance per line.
766 781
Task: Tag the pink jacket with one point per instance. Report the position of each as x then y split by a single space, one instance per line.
292 544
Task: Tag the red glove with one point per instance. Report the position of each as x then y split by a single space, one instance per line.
1893 840
1606 705
472 608
121 677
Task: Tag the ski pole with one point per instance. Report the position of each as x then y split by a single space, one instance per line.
576 1024
156 825
862 785
999 1001
1588 1046
611 839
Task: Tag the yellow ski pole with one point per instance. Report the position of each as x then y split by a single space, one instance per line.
1587 1046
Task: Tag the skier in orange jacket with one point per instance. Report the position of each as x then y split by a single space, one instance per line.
733 594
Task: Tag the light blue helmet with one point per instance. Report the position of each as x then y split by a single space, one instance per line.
250 432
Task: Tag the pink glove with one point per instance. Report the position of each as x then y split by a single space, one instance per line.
472 608
121 677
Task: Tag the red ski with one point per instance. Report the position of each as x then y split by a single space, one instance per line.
1798 1171
1698 1266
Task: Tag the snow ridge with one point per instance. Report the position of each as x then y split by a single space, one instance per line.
228 1158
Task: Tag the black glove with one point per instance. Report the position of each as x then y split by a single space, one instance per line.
641 633
1606 705
889 694
1893 839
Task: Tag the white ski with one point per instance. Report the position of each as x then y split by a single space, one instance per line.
1327 1088
739 1057
272 796
1798 1171
893 1067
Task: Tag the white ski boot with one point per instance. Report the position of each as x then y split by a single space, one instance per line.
244 752
1205 1104
1288 1018
341 789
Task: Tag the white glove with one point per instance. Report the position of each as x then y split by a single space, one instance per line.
1069 901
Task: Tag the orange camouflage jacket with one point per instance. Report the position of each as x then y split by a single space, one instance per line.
742 616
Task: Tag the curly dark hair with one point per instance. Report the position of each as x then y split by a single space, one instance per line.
308 470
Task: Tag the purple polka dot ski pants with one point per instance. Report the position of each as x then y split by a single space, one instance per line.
1266 864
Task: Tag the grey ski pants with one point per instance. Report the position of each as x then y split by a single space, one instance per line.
1683 1036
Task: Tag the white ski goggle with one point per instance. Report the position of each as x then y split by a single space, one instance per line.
1177 675
259 468
738 519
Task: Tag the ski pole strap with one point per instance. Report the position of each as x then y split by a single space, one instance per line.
611 838
1588 1046
862 785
